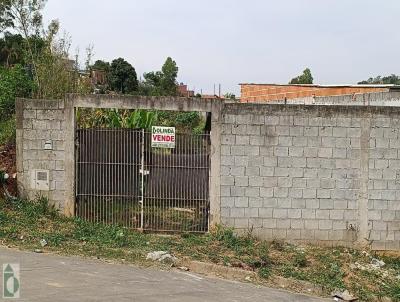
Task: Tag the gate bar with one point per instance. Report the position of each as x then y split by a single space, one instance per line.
142 183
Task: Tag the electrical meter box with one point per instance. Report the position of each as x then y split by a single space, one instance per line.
40 180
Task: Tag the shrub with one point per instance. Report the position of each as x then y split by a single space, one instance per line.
14 82
7 131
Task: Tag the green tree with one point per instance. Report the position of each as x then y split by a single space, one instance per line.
101 65
151 84
11 49
24 17
161 83
14 82
305 78
169 71
122 77
391 79
6 17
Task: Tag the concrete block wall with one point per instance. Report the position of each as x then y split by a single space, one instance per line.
303 173
38 122
391 98
326 174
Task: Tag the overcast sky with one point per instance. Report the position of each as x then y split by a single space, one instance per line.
232 41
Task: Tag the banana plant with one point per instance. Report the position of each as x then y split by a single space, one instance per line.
114 118
141 119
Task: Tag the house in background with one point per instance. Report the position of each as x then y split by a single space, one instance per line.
98 77
251 92
184 92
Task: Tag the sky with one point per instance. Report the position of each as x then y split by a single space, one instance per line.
229 42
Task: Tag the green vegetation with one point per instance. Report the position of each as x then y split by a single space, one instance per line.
122 77
14 82
161 82
23 224
35 62
7 131
115 118
305 78
34 59
185 122
391 79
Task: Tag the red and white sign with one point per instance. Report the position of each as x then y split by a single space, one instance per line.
162 137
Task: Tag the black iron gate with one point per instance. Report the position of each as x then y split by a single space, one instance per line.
122 180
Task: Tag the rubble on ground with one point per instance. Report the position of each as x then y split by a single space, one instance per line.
377 263
343 296
43 242
160 256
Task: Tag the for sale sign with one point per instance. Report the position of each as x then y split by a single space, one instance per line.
163 137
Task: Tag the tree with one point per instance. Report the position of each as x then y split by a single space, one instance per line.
391 79
161 83
11 49
305 78
41 54
168 80
101 65
6 17
122 77
24 16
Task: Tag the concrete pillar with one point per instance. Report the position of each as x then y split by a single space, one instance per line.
215 175
69 112
362 236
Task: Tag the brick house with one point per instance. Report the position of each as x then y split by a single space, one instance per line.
274 92
184 92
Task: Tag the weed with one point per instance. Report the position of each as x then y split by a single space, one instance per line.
263 252
55 239
36 220
34 209
113 236
331 277
278 245
44 208
392 262
289 271
392 290
225 235
362 293
300 259
264 272
226 261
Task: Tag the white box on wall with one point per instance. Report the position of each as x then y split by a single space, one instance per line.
40 180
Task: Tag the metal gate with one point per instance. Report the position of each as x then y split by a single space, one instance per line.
122 180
